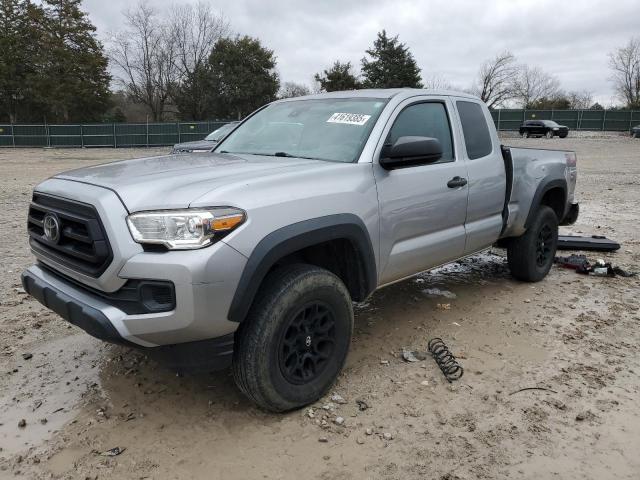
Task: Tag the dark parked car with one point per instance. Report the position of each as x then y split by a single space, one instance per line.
207 144
543 128
635 131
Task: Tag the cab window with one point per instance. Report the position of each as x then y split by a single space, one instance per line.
427 119
476 134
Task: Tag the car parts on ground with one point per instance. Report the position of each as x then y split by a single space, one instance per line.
594 242
446 361
581 264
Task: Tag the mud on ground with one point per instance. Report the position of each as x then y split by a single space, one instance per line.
578 337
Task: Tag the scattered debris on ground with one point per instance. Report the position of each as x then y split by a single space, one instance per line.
581 264
445 360
114 452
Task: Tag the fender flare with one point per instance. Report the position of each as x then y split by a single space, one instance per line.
297 236
543 187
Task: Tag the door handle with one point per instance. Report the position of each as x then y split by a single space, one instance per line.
456 182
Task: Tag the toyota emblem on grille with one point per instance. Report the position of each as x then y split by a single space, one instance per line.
51 226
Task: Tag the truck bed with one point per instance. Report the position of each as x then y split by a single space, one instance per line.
532 172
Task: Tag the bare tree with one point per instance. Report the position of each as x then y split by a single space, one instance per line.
194 29
581 100
144 57
495 84
625 63
533 84
291 89
436 82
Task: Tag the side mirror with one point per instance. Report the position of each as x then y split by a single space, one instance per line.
411 151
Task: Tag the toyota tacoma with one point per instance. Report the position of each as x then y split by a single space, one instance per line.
251 256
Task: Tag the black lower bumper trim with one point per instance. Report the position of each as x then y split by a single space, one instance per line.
89 319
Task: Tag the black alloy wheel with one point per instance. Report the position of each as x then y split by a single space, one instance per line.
308 343
544 243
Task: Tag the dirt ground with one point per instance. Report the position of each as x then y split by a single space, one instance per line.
576 336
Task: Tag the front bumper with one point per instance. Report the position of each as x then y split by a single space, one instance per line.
204 284
92 314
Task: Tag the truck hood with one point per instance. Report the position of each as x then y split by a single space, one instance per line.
175 181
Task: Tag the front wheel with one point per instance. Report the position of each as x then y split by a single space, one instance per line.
531 255
294 342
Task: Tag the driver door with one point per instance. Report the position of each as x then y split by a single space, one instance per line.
422 213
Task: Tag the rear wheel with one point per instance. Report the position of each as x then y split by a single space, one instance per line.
530 256
295 339
549 134
525 134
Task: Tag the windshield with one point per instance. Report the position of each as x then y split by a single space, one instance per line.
549 123
331 129
220 133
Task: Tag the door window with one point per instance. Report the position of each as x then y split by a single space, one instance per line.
427 119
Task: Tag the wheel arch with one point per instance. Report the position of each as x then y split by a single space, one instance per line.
340 243
552 193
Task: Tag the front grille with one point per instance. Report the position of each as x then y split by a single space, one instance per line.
81 244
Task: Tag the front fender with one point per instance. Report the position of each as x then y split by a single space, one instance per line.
292 238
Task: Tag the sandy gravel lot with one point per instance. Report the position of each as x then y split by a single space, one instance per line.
576 336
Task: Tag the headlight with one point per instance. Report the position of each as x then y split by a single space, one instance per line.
556 128
184 229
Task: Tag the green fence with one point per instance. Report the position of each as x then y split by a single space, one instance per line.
604 120
163 134
105 134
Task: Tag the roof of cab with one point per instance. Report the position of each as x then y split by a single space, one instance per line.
383 93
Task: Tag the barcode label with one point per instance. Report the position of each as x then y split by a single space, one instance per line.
349 118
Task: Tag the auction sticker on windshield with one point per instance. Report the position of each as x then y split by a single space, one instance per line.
349 118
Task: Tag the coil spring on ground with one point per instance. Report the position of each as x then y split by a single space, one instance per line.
451 369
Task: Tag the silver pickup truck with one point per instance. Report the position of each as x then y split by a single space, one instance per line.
251 256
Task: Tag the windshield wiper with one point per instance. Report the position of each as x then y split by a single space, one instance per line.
240 153
288 155
276 154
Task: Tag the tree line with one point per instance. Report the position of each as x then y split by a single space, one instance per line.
52 68
185 63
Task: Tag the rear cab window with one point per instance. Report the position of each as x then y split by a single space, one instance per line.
475 130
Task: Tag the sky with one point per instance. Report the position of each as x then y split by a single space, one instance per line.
450 39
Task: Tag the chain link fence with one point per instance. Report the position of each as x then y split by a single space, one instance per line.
164 134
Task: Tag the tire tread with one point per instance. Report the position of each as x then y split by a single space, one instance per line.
521 250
